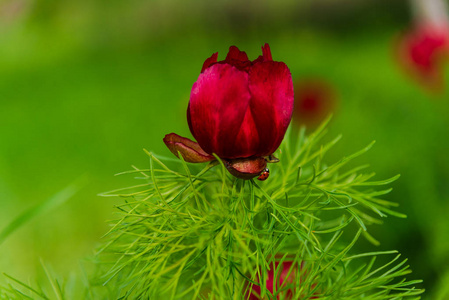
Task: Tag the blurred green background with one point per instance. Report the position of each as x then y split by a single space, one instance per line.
86 85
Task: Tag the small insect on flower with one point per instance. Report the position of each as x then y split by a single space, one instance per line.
264 175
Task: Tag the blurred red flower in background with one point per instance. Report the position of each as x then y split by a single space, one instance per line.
281 280
422 52
315 100
239 110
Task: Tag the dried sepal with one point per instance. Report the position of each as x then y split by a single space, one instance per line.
190 150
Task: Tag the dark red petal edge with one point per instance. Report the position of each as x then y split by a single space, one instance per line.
190 150
266 52
235 54
189 120
208 62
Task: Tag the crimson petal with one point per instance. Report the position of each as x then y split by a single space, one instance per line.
272 100
211 60
237 58
218 104
266 52
235 54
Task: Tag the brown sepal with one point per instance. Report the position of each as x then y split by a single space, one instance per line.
246 168
190 150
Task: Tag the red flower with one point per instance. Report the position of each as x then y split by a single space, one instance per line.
239 110
422 52
283 277
315 100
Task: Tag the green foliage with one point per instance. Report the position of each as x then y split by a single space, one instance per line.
187 235
20 290
56 200
212 236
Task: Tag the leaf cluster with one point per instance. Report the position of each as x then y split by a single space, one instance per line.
187 234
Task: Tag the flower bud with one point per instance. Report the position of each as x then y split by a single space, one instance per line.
239 110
